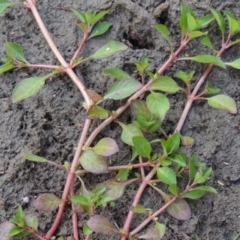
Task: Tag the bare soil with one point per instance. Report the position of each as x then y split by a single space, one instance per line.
48 123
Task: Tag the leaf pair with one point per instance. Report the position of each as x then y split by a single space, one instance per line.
4 4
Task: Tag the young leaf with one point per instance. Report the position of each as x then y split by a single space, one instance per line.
109 49
222 101
80 15
158 104
142 65
95 97
32 221
122 89
14 51
173 188
100 224
4 4
16 231
207 42
116 73
178 158
165 84
140 209
185 77
98 17
142 146
86 229
196 34
47 202
164 31
122 175
234 64
97 112
156 232
34 158
219 18
234 26
203 22
173 143
187 141
208 59
184 18
100 29
194 194
83 200
129 131
206 189
6 67
180 210
5 228
27 88
209 90
191 21
192 166
93 163
106 147
167 175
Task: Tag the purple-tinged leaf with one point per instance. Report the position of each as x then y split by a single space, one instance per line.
94 96
93 163
5 228
78 208
100 224
106 147
187 141
154 233
180 210
97 112
115 189
47 202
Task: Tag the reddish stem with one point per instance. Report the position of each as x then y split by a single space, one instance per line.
74 218
42 66
70 180
192 96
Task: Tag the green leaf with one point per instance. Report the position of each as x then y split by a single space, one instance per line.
142 65
184 18
20 214
219 18
192 166
234 64
199 178
123 88
234 42
209 90
27 88
178 158
187 141
196 34
100 29
80 15
207 42
167 175
203 22
89 15
109 49
191 21
34 158
172 144
4 4
100 224
14 51
164 31
83 26
208 59
194 194
180 210
140 209
129 131
93 163
6 67
223 102
158 104
86 229
106 147
234 26
15 231
122 175
82 200
116 73
97 112
185 77
206 189
165 84
173 188
47 202
142 146
98 17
